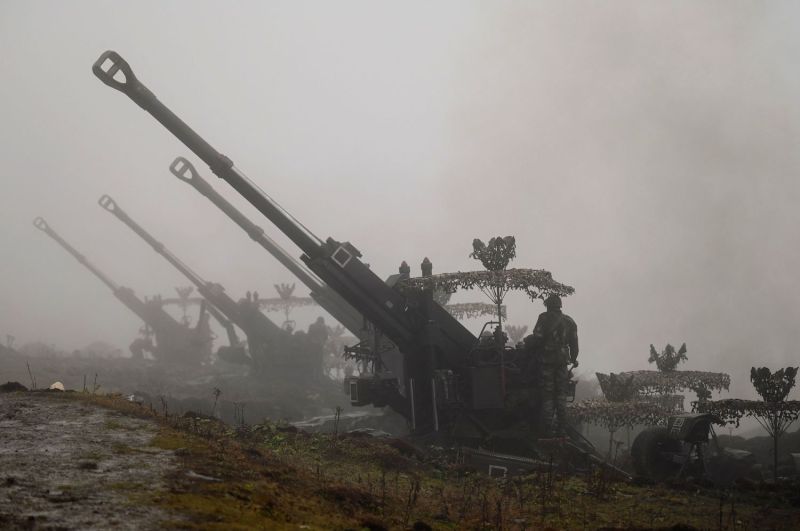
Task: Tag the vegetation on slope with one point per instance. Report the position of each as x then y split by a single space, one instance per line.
275 476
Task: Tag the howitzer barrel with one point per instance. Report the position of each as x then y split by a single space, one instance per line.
320 292
111 206
158 320
212 292
42 225
186 172
115 72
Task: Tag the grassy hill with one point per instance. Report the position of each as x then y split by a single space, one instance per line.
272 475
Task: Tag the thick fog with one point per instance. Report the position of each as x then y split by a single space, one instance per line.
645 153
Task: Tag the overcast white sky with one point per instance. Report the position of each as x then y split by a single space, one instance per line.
647 153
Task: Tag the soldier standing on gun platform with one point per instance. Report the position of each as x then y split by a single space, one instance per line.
555 342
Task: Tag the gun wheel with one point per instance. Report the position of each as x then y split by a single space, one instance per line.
651 452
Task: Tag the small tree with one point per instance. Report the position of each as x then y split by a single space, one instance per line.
495 281
669 358
773 412
495 257
776 419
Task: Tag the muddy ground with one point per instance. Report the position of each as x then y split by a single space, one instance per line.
66 464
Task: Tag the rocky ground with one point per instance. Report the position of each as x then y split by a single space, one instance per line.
66 464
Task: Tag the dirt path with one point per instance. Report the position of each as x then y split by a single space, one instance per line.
65 464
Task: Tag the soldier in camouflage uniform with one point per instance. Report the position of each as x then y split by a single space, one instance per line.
554 343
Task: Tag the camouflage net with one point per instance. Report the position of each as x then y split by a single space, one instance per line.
536 283
668 382
615 415
732 410
196 301
470 310
285 304
617 387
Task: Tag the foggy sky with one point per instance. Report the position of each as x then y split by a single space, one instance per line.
645 153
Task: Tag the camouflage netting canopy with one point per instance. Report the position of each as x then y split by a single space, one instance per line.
470 310
615 415
537 283
732 410
666 382
283 304
286 300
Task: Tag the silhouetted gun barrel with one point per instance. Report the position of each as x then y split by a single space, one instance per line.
42 225
331 301
212 292
166 327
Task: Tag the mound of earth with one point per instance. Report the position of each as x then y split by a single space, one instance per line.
10 387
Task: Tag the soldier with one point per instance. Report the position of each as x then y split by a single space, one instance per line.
554 342
318 332
318 335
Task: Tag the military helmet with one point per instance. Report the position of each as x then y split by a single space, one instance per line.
553 301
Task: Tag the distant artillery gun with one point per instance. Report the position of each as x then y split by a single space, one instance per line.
175 342
675 443
184 300
270 347
235 351
451 395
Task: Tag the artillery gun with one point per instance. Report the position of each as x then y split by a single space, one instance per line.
269 345
458 389
369 339
175 342
688 447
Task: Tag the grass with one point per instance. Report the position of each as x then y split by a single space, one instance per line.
272 476
117 425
